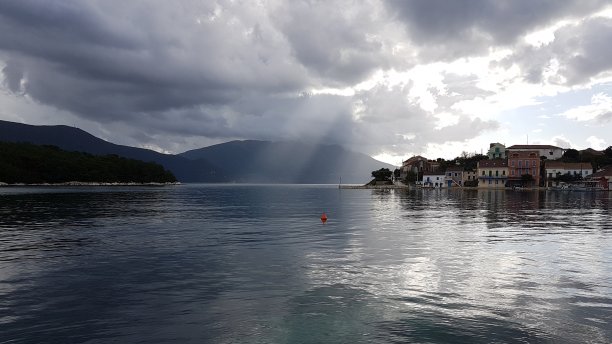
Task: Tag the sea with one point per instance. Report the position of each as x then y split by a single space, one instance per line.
207 263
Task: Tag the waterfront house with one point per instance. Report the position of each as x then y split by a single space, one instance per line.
454 176
492 173
603 177
524 168
433 179
416 164
496 151
555 171
469 177
550 152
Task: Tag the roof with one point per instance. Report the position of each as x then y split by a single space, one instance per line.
493 163
536 147
603 173
454 168
414 159
568 165
524 154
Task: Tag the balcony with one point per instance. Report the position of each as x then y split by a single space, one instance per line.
492 177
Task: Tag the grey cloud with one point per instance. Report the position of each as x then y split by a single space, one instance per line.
604 117
110 59
340 43
451 29
168 72
389 117
13 75
582 52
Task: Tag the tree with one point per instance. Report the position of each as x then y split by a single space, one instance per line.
571 155
384 174
411 177
526 179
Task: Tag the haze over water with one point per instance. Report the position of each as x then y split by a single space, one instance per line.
254 264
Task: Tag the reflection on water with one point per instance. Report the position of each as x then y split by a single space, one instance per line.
254 264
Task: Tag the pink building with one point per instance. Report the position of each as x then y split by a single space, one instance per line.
522 164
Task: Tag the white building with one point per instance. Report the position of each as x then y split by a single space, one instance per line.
550 152
433 179
555 169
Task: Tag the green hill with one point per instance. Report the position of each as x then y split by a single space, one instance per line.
32 164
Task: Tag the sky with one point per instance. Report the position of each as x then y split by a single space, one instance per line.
388 78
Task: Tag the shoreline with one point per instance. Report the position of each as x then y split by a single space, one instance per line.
406 187
89 184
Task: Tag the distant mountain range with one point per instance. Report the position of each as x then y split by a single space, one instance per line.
236 161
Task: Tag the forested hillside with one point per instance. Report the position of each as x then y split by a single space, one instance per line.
31 164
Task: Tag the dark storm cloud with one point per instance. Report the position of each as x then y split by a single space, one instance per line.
115 60
451 29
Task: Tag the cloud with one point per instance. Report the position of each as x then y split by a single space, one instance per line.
596 143
578 53
562 142
599 110
451 29
378 76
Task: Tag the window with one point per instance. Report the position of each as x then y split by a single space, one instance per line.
503 172
489 181
512 163
497 173
496 181
490 173
483 173
520 163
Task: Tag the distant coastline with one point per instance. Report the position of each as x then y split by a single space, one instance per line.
2 184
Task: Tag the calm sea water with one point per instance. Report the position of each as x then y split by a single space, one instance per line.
254 264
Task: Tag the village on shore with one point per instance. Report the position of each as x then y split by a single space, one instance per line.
515 167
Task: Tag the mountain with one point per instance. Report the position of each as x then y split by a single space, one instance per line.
74 139
236 161
288 162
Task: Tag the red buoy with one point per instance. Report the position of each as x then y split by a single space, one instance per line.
323 218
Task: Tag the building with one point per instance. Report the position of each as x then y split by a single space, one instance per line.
496 151
417 164
454 176
554 170
435 179
524 168
550 152
492 173
603 178
470 177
